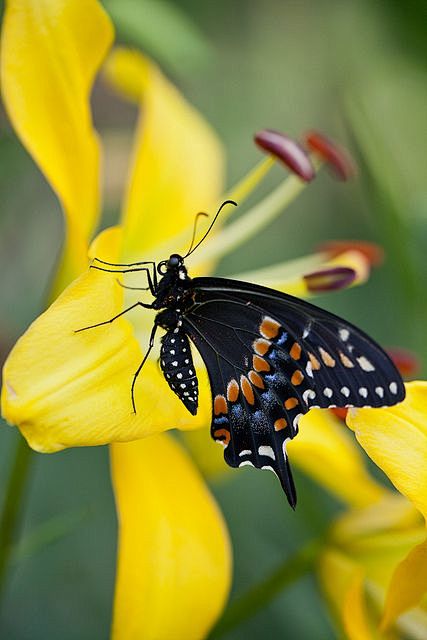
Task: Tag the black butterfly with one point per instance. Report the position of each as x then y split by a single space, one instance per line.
270 358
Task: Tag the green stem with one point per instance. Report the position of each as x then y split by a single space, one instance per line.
257 597
12 505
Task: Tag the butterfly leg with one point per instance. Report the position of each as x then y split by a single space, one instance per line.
151 277
138 371
99 324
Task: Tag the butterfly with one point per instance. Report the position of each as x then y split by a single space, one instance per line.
270 358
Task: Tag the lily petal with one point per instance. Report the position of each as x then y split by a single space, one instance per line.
408 585
174 559
49 59
324 451
395 438
63 388
178 160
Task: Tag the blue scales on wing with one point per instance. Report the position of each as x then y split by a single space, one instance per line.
270 358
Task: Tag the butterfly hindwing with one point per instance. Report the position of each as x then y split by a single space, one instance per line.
270 358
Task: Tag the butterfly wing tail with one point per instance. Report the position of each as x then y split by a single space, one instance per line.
286 480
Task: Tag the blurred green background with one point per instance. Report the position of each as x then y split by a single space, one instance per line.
356 70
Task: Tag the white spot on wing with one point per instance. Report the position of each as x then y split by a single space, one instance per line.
308 395
365 364
393 387
344 334
327 391
363 392
246 463
245 452
268 468
345 391
265 450
379 391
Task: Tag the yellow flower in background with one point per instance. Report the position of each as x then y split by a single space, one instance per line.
374 568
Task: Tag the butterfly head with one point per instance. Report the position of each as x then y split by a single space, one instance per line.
174 266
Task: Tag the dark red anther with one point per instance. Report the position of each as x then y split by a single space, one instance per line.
372 252
330 279
287 151
406 362
338 158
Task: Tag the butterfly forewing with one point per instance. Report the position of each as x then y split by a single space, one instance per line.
270 358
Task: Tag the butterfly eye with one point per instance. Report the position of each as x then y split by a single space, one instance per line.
162 267
174 261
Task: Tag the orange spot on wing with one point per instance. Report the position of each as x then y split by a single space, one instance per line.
256 379
346 361
232 390
315 364
297 377
290 403
247 390
295 352
223 435
326 357
220 405
269 328
280 424
261 346
259 364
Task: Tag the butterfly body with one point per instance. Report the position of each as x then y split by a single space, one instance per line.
270 358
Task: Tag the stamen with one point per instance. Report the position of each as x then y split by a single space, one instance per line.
330 279
338 158
249 182
287 151
253 221
372 252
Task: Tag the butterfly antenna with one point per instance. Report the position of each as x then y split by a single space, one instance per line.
196 219
192 250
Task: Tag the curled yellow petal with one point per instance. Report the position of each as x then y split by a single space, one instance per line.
174 560
325 451
408 585
50 54
178 161
396 440
63 388
354 611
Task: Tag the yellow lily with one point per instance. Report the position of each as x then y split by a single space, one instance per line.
63 389
167 563
374 569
